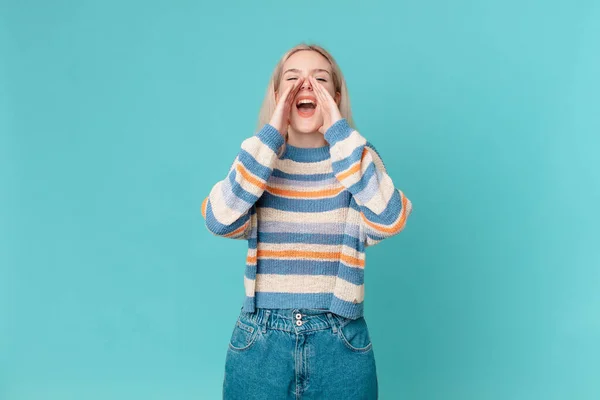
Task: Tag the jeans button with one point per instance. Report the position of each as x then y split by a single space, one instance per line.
298 322
298 316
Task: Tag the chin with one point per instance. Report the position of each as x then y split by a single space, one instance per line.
304 128
306 125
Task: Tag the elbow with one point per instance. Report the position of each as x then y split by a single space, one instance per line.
378 228
229 231
235 230
215 228
210 222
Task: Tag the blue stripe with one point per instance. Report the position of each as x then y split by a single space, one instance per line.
340 130
297 267
304 300
370 146
291 300
364 180
373 236
218 228
239 191
389 214
345 163
312 238
231 200
271 137
254 166
305 205
353 275
354 205
250 271
346 308
303 177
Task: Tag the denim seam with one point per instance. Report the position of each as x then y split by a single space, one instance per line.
347 343
253 338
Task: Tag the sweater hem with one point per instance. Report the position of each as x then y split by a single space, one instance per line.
325 301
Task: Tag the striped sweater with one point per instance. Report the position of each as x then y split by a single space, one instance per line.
308 217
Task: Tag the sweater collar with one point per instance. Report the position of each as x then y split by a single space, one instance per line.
306 154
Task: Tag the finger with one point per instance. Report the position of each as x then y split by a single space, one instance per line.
318 91
296 91
293 91
320 110
319 107
324 93
284 101
313 83
292 88
321 91
299 86
284 95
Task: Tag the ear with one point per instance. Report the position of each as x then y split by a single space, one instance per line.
338 98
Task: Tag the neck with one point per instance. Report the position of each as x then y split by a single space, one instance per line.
304 139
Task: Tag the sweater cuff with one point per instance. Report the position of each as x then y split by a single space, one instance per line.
270 136
338 131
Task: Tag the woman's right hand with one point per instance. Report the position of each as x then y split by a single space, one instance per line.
281 116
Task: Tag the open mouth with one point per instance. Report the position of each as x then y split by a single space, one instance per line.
306 106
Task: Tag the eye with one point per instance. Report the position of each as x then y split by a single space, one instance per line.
291 79
322 79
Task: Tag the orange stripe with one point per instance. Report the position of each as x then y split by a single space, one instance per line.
238 230
397 227
203 207
247 176
311 254
364 153
355 167
350 171
352 260
251 259
301 194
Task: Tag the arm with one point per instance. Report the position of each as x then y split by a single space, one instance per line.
359 168
229 208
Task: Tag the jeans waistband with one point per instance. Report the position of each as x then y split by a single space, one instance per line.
286 319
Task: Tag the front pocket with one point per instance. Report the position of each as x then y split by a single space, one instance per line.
354 333
243 336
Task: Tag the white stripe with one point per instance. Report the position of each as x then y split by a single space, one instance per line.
350 292
260 151
330 248
293 167
221 211
344 148
341 215
295 283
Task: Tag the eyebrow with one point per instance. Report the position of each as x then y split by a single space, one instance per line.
314 70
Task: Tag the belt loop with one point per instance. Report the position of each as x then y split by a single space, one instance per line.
332 322
265 320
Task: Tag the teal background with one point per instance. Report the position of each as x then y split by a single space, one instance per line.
117 117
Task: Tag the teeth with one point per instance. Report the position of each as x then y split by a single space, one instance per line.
305 101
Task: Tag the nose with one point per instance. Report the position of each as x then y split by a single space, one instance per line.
306 84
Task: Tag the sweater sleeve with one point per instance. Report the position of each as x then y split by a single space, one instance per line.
360 169
229 208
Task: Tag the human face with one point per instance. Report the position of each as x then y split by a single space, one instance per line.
306 119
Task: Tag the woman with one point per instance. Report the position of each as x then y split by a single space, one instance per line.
309 194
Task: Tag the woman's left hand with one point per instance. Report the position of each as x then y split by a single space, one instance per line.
326 105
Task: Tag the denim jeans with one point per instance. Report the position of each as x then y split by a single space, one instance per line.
299 353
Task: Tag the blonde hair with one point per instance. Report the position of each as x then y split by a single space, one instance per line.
269 103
